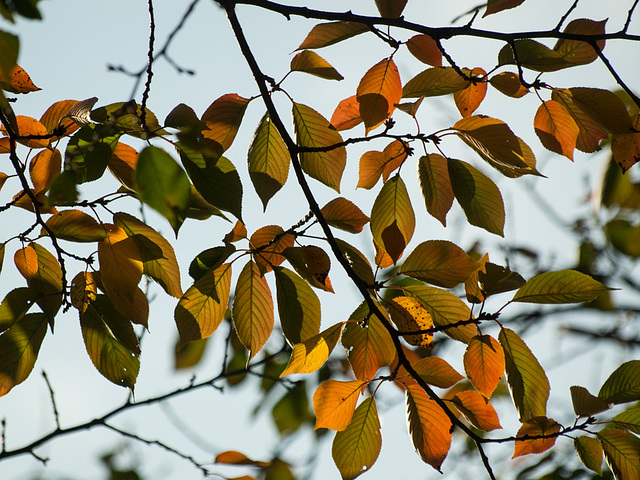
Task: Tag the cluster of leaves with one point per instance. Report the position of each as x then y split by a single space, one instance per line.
400 311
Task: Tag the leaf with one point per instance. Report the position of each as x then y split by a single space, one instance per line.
356 448
28 126
433 82
495 6
118 324
509 84
410 315
392 218
312 63
44 276
496 144
621 452
223 118
268 160
534 427
576 51
345 215
334 403
556 128
57 117
184 119
395 155
125 117
43 168
562 286
325 34
19 347
163 185
532 55
270 256
252 309
347 114
623 385
84 290
436 371
313 131
112 359
191 354
478 196
429 427
15 305
292 410
371 167
589 452
440 263
9 46
469 99
604 107
298 306
378 92
232 457
63 191
358 262
158 257
26 261
628 419
445 309
310 355
76 226
590 132
122 164
477 410
494 279
484 363
585 404
202 307
208 259
425 49
527 380
89 151
367 342
313 264
435 184
390 8
626 147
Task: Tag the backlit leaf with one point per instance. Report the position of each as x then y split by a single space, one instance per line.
298 306
626 147
122 164
76 226
347 114
410 315
223 118
268 160
628 419
589 452
19 347
232 457
527 380
44 167
15 305
378 92
208 259
509 84
425 49
395 155
621 452
185 119
57 117
433 173
533 55
494 279
310 62
345 215
313 130
237 233
334 403
604 107
26 261
477 410
202 307
556 128
309 355
495 6
469 99
436 371
371 167
89 150
312 263
623 385
533 427
45 280
590 132
125 117
84 290
563 286
30 126
392 218
270 256
368 343
163 185
585 404
484 363
118 324
357 261
252 309
325 34
356 449
429 427
576 51
478 196
390 8
191 354
433 82
440 263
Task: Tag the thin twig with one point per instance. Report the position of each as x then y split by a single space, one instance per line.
56 415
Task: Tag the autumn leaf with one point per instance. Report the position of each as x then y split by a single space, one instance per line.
312 263
347 114
410 315
58 117
310 355
495 6
334 403
298 306
28 126
371 167
589 452
222 119
508 84
562 286
19 82
621 452
484 363
532 55
590 132
477 410
233 457
536 426
425 49
357 261
76 226
556 128
345 215
435 184
629 419
84 290
325 34
585 404
576 51
469 99
122 164
437 372
434 82
623 385
312 63
440 263
44 276
626 147
43 168
390 8
268 243
378 92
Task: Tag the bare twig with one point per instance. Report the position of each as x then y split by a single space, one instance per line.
56 415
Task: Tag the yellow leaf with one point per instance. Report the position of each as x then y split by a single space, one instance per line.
622 453
484 363
76 226
312 63
26 261
436 371
334 403
84 290
556 128
313 264
410 315
325 34
378 92
310 355
20 82
477 410
28 126
536 426
371 167
345 215
43 168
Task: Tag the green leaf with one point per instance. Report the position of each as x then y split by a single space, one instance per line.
76 226
201 309
19 347
211 258
356 449
112 359
118 324
629 420
433 173
269 160
292 410
252 309
478 196
623 385
358 262
63 190
533 55
14 306
298 306
9 47
89 150
563 286
434 81
589 452
527 380
163 185
392 219
312 63
622 453
440 263
314 131
127 118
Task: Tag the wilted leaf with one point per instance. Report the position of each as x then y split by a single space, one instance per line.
334 403
589 452
484 363
298 306
325 34
309 355
433 173
556 128
425 49
436 371
534 427
477 410
345 215
410 315
310 62
623 385
562 286
223 118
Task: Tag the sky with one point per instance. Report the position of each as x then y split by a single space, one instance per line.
67 56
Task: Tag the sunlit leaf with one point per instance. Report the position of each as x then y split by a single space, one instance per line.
590 132
484 363
309 355
469 99
626 147
628 419
477 410
604 107
532 55
122 164
621 452
589 452
232 457
623 385
44 167
371 167
585 404
334 403
378 92
237 233
436 371
20 82
84 290
312 263
310 62
202 307
439 262
57 117
345 215
508 84
44 276
347 114
576 51
425 49
356 449
527 380
436 185
15 305
358 262
298 306
274 241
410 315
395 155
533 427
252 309
433 82
495 6
325 34
223 118
76 226
556 128
562 286
28 126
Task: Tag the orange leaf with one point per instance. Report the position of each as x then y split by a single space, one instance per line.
436 371
43 168
325 34
509 84
237 233
57 115
76 226
378 92
410 315
395 155
536 426
26 261
477 410
484 363
122 164
233 457
626 147
556 128
20 82
312 63
30 126
270 256
347 114
334 403
469 99
495 6
590 131
310 355
371 166
5 145
223 119
425 49
345 215
576 51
